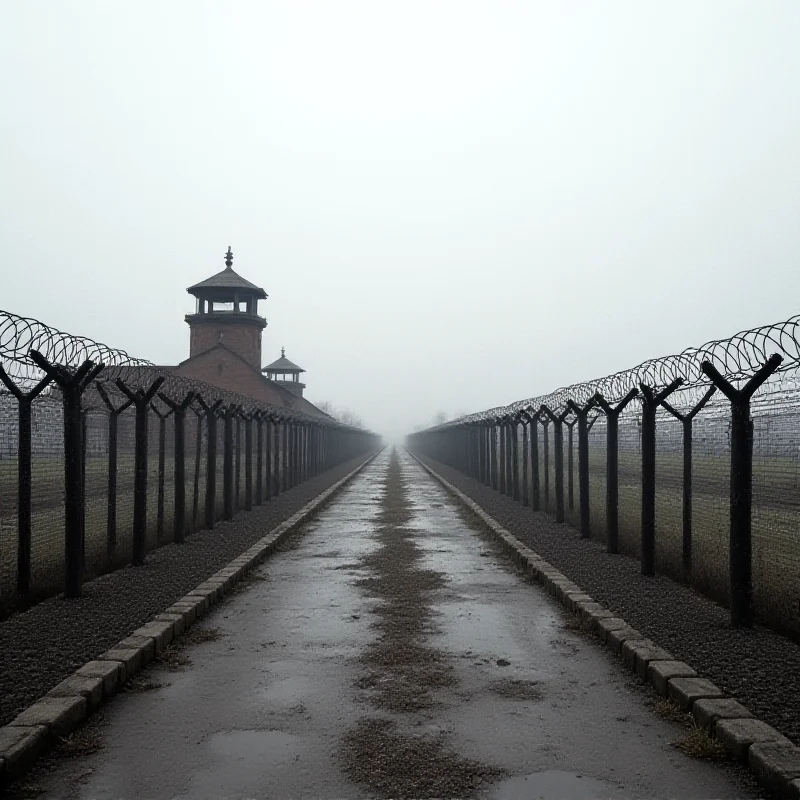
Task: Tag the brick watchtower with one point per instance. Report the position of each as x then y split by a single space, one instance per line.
227 313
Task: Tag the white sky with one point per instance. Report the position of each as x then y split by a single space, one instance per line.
452 205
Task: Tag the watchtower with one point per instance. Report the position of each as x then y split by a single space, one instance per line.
286 374
227 313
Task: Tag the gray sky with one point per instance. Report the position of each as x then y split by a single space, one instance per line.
452 205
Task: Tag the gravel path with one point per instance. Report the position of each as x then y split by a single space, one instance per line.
759 667
43 645
402 669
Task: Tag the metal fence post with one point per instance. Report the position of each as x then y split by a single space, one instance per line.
179 463
113 437
211 411
237 481
248 462
612 466
582 415
268 457
570 423
526 492
24 459
558 457
535 488
227 463
141 402
741 581
258 416
687 421
650 403
72 385
546 448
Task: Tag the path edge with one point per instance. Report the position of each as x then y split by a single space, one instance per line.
769 755
35 730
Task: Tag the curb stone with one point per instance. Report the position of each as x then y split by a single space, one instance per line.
66 706
769 755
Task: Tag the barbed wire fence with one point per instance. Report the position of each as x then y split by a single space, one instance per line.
104 457
690 462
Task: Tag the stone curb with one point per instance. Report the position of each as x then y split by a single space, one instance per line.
66 706
772 758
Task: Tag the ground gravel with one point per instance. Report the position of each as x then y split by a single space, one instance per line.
759 667
394 758
43 645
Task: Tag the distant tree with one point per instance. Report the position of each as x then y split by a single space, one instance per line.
439 418
343 415
347 417
327 408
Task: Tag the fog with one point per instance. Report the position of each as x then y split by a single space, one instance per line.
451 205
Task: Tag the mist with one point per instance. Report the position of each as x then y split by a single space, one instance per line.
451 205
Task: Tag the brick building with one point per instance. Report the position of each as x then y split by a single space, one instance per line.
225 343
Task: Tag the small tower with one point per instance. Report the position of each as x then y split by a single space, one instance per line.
286 374
227 313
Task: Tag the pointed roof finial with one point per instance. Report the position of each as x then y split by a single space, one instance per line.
229 258
283 352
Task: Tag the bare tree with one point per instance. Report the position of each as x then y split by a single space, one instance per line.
343 415
326 407
439 418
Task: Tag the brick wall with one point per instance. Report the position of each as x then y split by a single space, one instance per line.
242 337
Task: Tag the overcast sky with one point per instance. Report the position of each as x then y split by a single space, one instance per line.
451 205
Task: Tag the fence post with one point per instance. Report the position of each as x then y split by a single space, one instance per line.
179 463
227 462
582 415
533 416
211 411
237 481
258 416
248 462
546 448
285 455
162 447
268 456
570 423
612 466
493 466
72 385
503 437
482 451
741 589
113 437
526 498
83 418
515 493
198 452
558 455
24 459
141 402
280 422
650 403
687 421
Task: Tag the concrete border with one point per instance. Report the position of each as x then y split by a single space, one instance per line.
66 706
769 755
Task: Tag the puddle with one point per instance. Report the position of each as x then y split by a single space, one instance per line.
552 784
288 690
257 747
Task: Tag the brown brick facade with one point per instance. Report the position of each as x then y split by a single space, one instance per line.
243 337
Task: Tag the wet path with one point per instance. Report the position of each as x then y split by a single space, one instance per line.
390 651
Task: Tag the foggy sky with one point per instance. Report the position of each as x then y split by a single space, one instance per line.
451 205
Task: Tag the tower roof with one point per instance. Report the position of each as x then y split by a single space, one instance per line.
228 281
283 365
